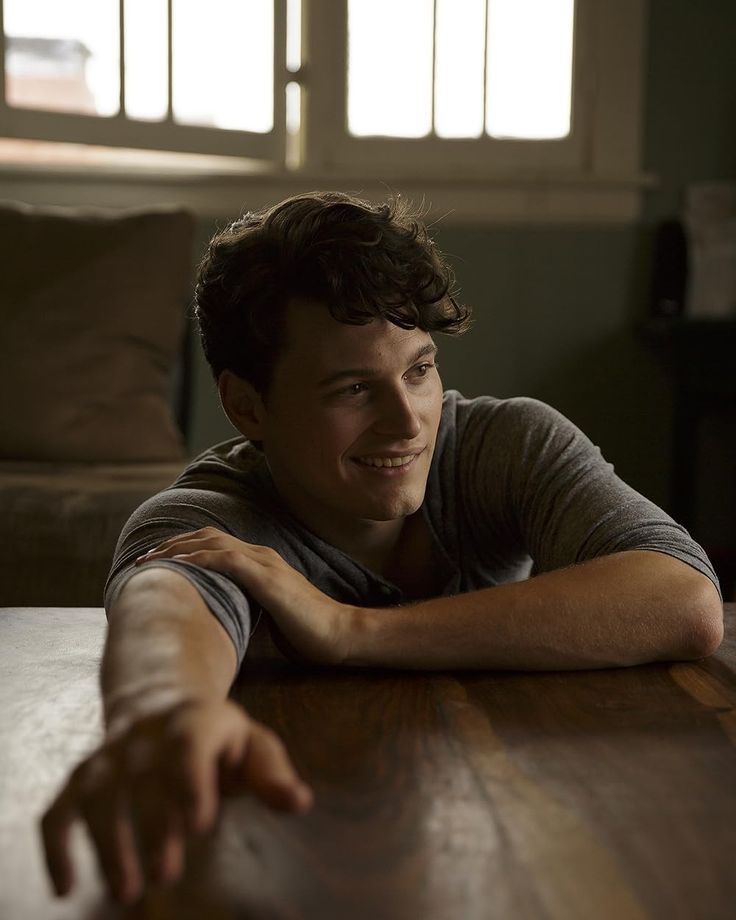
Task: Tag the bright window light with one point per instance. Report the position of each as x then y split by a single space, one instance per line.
146 59
293 124
529 71
293 35
499 67
522 49
223 63
63 56
390 67
460 46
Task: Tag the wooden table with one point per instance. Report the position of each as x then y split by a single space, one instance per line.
452 796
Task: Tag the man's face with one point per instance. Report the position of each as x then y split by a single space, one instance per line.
351 420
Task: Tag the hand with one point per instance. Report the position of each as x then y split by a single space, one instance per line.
315 625
158 780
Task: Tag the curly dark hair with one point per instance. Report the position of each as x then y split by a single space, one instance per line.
359 259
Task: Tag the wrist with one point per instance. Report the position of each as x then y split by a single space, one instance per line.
360 624
124 707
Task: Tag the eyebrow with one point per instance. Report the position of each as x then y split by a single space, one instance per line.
350 372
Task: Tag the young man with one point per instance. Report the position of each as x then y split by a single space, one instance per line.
376 521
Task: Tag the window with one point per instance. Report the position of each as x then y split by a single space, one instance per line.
158 74
460 68
505 98
460 78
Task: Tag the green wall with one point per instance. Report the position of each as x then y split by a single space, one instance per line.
556 308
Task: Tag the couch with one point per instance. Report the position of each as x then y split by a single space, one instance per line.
94 376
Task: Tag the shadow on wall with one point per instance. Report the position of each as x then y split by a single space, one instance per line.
622 399
556 314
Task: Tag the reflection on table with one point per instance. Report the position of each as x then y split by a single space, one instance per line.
596 794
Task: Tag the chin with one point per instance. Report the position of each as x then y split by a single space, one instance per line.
395 510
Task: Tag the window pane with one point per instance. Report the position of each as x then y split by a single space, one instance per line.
293 124
63 56
390 67
223 63
458 103
529 68
146 59
294 34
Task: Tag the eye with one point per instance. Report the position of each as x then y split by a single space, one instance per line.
421 370
355 389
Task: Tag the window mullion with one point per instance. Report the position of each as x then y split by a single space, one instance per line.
170 60
3 103
434 65
325 81
281 77
485 66
121 58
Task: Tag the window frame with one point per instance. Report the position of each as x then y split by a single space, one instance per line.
164 135
481 156
605 113
604 184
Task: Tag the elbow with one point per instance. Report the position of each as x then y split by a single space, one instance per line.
705 618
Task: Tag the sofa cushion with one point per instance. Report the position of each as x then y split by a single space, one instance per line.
91 311
60 523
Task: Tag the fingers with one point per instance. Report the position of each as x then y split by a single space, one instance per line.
142 794
197 790
129 819
55 826
111 831
212 539
161 837
90 795
157 802
169 864
186 544
191 539
265 768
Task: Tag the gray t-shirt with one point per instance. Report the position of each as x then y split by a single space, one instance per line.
514 489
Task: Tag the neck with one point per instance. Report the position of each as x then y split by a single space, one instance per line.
372 543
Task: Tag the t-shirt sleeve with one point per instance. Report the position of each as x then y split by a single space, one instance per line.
549 488
164 516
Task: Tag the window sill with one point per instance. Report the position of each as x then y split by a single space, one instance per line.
217 189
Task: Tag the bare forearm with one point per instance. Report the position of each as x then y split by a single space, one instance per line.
163 646
618 610
174 743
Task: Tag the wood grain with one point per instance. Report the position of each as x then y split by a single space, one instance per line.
561 795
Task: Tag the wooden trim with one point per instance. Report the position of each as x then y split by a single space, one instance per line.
2 61
606 108
621 48
503 201
590 176
121 57
119 131
281 77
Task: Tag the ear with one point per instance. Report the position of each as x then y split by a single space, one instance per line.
242 403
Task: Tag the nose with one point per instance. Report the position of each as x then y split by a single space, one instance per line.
397 416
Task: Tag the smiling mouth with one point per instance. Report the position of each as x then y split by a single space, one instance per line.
387 462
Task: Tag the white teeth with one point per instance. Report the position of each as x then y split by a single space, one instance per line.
386 461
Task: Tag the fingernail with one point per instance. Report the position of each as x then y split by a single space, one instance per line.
306 797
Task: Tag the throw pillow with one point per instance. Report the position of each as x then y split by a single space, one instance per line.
91 314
